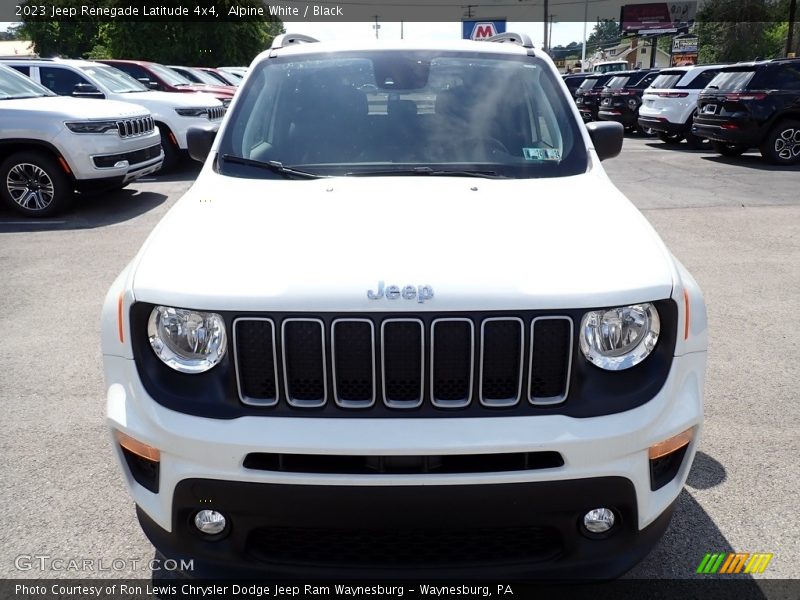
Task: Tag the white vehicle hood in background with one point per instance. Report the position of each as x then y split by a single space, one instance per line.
176 99
75 108
319 245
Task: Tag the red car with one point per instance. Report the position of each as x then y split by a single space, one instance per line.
162 78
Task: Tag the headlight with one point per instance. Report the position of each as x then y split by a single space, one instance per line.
189 341
192 112
619 338
91 126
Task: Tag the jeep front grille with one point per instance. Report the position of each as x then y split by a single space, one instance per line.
135 127
447 362
215 112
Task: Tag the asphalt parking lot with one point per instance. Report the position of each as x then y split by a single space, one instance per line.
734 223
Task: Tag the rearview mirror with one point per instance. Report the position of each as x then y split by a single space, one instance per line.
606 137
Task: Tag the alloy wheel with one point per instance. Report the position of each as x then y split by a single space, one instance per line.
787 144
30 186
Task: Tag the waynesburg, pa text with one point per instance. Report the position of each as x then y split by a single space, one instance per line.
195 590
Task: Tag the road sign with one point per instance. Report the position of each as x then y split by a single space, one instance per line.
481 30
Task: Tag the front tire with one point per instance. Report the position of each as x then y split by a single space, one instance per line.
34 184
729 150
171 151
782 144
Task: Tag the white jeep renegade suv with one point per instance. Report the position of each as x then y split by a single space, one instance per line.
51 146
403 323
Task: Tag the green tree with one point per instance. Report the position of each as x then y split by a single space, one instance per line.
736 30
59 38
187 42
605 34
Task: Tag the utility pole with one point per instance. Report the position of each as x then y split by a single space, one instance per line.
653 50
550 35
585 18
376 27
546 45
401 30
790 35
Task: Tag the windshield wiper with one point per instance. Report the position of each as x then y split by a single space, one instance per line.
428 171
271 165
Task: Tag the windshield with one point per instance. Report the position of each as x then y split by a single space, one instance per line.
204 77
610 68
667 81
731 80
113 79
169 76
14 85
404 112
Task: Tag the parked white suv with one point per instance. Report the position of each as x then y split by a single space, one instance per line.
174 113
404 323
51 146
670 103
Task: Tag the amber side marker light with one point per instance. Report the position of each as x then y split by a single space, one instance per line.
120 329
671 445
138 448
686 315
64 165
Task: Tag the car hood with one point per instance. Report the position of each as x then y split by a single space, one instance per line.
320 245
175 99
75 108
222 90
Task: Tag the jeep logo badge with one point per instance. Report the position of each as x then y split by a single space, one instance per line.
409 292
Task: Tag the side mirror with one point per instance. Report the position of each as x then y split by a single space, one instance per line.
606 137
86 90
199 141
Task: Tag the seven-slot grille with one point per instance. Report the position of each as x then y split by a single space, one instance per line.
215 112
135 127
448 362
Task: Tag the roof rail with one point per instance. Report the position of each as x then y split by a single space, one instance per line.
512 38
286 39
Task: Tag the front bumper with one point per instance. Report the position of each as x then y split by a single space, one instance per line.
209 455
516 531
85 152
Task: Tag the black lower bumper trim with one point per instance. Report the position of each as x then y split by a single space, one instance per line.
514 531
662 126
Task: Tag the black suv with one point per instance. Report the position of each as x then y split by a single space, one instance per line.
587 96
753 105
574 81
622 96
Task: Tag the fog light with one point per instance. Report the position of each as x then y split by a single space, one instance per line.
598 520
209 522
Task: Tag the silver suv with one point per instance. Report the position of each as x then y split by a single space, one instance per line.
51 146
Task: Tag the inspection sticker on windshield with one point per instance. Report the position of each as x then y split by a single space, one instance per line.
541 154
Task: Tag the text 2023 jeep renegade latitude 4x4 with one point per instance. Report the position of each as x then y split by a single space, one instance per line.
404 323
